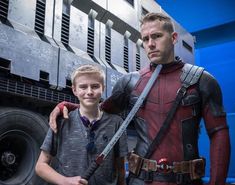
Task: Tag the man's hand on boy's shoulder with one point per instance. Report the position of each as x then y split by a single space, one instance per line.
54 115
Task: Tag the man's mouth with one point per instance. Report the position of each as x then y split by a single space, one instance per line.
153 53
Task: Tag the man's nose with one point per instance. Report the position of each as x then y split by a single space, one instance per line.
151 42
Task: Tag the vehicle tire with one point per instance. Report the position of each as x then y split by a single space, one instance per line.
21 135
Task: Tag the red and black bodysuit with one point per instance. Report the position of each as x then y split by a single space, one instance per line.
180 142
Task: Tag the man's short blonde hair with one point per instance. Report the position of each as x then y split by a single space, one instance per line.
167 22
88 69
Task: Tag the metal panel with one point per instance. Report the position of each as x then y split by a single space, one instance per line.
102 3
49 11
185 45
102 42
112 77
22 17
123 10
97 39
144 60
150 6
132 52
117 48
117 52
22 14
57 20
69 61
78 30
28 55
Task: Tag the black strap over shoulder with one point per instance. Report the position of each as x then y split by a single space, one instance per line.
190 76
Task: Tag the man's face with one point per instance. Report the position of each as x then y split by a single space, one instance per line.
88 89
157 42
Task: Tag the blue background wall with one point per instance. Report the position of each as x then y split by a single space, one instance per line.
219 60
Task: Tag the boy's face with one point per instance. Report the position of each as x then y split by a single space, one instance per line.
88 88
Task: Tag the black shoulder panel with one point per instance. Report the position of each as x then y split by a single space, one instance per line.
191 74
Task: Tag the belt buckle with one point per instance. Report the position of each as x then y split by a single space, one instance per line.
152 165
163 166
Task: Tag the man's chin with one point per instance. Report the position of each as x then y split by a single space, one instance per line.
157 61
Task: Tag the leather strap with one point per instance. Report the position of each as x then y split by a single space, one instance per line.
181 179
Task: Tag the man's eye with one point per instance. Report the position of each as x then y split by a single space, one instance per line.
155 36
145 39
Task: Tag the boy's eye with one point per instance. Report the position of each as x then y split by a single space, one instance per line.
95 86
82 86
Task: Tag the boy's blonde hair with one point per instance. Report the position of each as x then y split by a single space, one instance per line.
88 69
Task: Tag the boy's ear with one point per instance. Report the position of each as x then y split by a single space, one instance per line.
74 90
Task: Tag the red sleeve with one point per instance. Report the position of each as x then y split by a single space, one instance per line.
70 106
219 147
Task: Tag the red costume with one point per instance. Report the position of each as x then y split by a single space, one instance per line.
180 142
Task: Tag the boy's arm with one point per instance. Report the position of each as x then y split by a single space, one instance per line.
120 165
61 109
45 171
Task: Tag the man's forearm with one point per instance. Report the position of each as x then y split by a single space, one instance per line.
220 156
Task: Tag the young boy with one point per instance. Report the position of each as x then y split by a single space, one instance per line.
85 135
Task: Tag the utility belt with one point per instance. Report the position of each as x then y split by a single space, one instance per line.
161 170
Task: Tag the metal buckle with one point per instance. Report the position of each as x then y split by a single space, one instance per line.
152 165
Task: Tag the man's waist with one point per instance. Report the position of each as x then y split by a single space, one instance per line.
194 168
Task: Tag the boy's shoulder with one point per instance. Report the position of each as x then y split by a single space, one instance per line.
112 116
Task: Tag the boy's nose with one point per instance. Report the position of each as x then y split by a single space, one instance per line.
89 90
